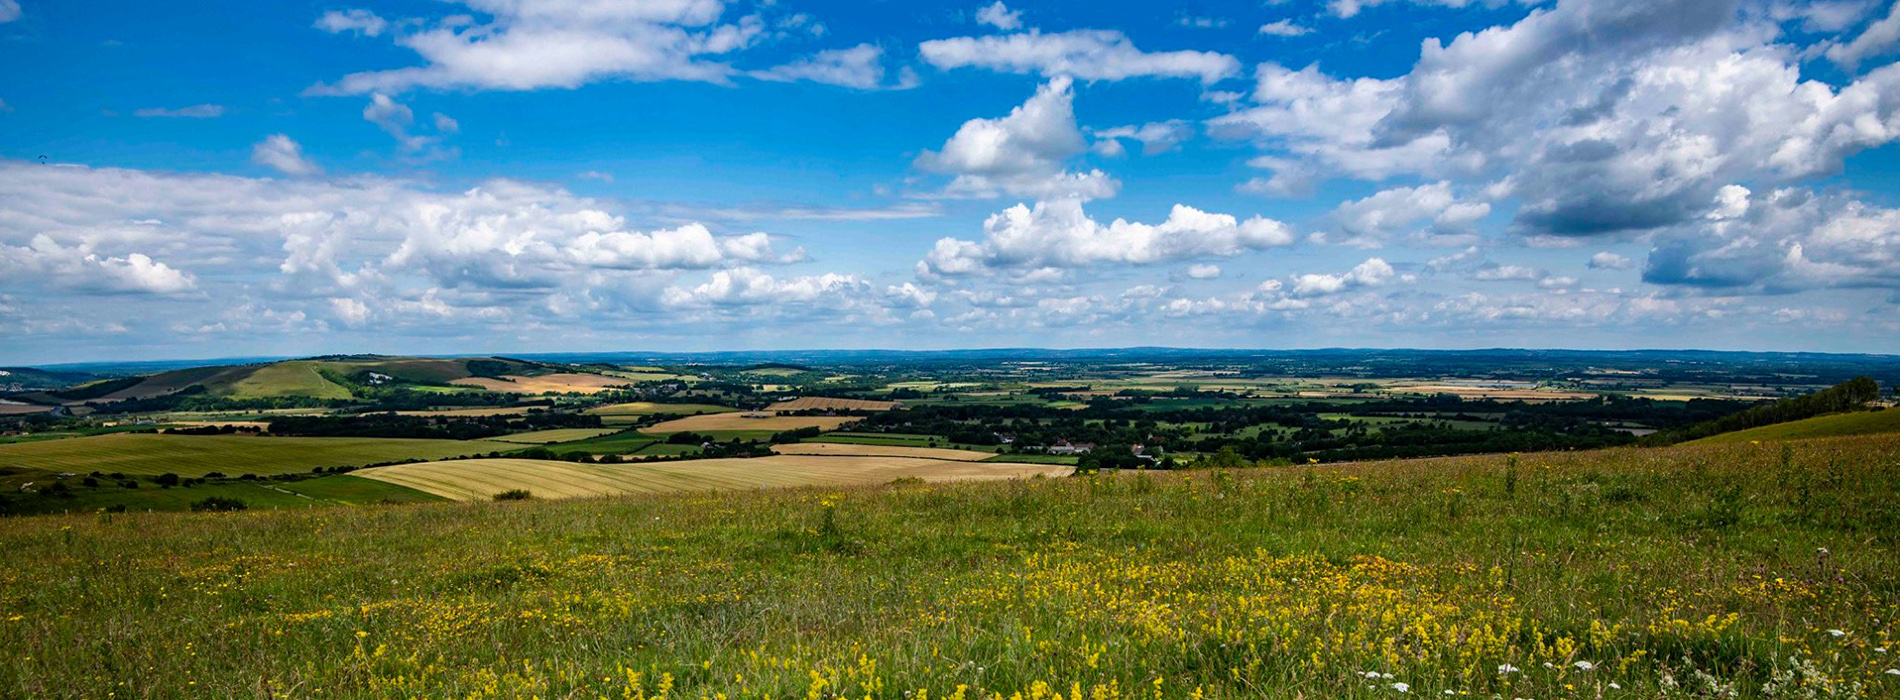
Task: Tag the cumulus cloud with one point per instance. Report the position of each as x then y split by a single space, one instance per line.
1785 240
1284 27
1351 8
858 67
279 152
532 45
1373 272
1086 54
745 286
1607 260
1624 116
1060 235
1877 39
355 21
1155 137
999 16
1374 220
78 268
1024 153
193 112
491 253
1203 272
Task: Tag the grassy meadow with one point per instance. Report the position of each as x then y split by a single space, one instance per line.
1831 425
1746 571
198 455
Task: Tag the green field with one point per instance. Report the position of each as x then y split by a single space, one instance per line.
197 455
294 378
481 479
1839 424
332 490
897 440
1716 571
624 442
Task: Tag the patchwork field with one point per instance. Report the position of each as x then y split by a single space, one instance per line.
485 411
543 437
1840 424
719 422
636 409
825 403
558 383
481 479
13 409
197 455
833 449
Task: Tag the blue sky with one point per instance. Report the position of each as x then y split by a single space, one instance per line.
236 178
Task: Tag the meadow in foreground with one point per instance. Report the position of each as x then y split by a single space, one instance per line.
1752 570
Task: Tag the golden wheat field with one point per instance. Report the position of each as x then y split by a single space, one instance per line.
553 435
481 479
826 403
747 421
558 383
832 449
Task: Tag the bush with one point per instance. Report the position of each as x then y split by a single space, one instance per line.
514 495
218 504
167 480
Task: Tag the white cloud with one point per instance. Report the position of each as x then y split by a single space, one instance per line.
1351 8
1786 240
1284 27
278 151
1374 220
361 22
44 261
9 10
533 45
1508 273
446 124
1059 235
1023 153
1155 137
1203 272
1877 39
1607 260
859 67
1087 54
1373 272
1624 116
746 286
997 15
1201 22
193 112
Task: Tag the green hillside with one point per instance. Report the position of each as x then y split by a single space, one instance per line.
1834 425
281 379
197 455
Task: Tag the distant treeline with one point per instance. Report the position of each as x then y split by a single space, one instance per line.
390 425
1845 396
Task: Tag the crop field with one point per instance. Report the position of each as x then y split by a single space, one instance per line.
623 442
299 378
197 455
558 383
825 403
1717 571
634 410
747 421
329 490
833 449
483 411
16 409
1857 423
480 479
543 437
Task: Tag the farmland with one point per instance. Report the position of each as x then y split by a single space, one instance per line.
558 383
845 450
479 479
825 403
723 422
543 437
197 455
1856 423
1624 573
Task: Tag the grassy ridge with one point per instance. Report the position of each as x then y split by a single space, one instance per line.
1692 571
1836 425
197 455
333 490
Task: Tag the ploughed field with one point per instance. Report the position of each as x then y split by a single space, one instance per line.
1747 571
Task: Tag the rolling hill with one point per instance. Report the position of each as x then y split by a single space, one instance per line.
1832 425
328 377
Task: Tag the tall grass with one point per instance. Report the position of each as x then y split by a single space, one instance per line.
1689 571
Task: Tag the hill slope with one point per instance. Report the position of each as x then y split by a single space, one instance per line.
480 479
1833 425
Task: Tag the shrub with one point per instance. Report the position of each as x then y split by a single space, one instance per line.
514 495
217 504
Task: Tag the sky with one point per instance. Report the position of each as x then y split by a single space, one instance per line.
231 178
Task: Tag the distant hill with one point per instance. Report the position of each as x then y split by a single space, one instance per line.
1833 425
30 379
329 377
